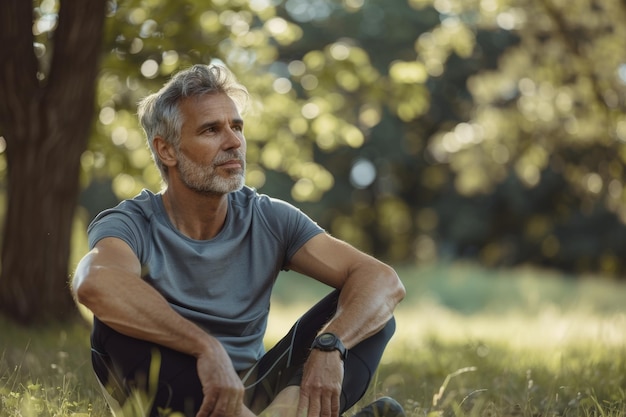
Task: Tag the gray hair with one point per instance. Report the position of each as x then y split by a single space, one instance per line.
159 113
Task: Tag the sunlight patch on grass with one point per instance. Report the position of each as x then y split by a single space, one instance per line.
523 308
547 328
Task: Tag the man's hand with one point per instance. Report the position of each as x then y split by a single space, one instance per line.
321 385
222 388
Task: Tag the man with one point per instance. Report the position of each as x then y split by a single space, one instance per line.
179 282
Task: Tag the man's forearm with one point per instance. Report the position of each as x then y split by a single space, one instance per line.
132 307
366 303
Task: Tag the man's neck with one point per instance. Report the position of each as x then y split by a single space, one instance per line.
198 216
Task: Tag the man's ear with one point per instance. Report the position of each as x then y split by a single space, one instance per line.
165 151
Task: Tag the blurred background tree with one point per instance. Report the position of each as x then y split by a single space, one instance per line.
46 112
537 158
418 130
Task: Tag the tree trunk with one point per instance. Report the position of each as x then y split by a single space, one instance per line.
46 125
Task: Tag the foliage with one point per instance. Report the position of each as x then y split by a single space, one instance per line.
546 126
143 52
413 129
512 152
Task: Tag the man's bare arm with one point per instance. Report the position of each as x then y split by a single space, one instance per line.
370 291
108 282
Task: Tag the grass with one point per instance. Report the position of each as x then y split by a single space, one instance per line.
470 342
46 372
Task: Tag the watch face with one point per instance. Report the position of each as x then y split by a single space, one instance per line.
327 340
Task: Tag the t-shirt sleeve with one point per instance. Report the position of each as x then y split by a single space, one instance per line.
118 224
292 227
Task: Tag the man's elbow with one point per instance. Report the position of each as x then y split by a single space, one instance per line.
82 290
396 289
83 286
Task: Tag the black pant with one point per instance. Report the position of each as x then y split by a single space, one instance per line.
123 365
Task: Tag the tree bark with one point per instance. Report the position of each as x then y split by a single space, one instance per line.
46 125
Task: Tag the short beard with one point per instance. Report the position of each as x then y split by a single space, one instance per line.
205 180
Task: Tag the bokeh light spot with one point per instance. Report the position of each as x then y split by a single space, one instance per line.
621 73
149 68
282 85
296 68
310 110
363 173
107 115
340 51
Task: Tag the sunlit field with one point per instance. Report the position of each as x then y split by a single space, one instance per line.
469 342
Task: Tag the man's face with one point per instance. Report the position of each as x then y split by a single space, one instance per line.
212 150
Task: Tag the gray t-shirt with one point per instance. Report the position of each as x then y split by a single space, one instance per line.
222 284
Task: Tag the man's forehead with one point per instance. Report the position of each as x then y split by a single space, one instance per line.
218 104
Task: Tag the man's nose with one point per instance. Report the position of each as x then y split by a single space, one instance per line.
234 139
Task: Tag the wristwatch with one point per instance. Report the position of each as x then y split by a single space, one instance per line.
328 342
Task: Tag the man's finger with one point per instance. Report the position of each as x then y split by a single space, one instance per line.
234 405
303 405
221 407
334 405
325 407
315 406
205 408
